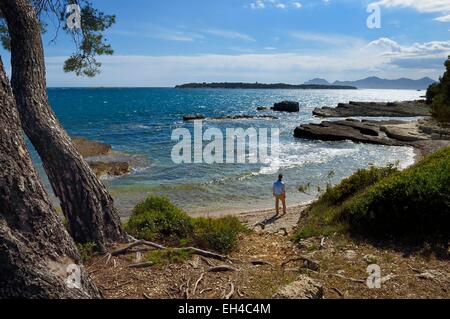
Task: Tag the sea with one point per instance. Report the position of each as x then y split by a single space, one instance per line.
139 122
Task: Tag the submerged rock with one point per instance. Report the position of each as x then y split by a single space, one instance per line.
110 168
287 106
374 109
303 288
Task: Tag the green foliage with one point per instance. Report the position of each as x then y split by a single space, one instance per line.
218 234
168 256
89 41
380 202
157 219
87 251
438 95
413 203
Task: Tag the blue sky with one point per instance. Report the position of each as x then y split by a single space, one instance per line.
163 43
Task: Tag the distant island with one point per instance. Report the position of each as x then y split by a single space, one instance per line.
238 85
374 82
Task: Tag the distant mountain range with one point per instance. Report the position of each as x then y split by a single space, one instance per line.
378 83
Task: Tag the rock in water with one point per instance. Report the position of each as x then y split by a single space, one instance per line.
287 106
303 288
110 168
193 117
89 148
375 109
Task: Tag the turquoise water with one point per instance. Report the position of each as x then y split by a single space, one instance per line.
140 122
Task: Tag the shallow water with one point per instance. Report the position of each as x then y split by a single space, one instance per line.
140 122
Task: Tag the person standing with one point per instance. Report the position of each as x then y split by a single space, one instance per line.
279 192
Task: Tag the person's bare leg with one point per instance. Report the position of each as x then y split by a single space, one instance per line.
284 206
277 205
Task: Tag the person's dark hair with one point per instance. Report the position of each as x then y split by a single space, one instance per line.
280 177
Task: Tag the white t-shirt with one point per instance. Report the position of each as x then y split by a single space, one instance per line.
279 188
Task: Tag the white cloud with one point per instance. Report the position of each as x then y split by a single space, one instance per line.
278 4
441 7
230 34
383 57
330 39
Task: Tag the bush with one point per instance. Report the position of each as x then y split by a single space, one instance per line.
218 234
412 204
324 215
157 219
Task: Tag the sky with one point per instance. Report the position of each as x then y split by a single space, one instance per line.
164 43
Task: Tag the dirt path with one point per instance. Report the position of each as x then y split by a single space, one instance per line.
266 260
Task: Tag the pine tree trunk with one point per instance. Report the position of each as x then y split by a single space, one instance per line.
85 201
35 249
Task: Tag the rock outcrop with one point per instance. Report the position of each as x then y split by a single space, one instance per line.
353 130
287 106
110 168
374 109
193 117
98 156
303 288
89 148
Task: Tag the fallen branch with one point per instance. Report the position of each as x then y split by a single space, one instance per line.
141 265
193 250
340 293
194 290
221 268
231 293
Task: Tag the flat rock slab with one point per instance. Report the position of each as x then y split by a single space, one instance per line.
303 288
353 130
376 109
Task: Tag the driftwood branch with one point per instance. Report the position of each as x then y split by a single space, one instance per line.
221 268
194 290
231 293
141 265
193 250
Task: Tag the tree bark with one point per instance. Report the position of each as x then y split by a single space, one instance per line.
88 207
35 249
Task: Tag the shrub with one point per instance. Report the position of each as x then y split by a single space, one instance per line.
218 234
410 205
413 203
324 215
157 219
